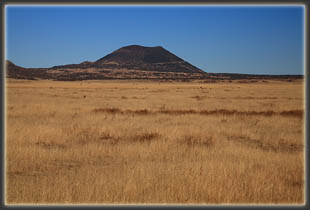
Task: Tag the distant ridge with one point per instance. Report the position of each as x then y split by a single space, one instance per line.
132 62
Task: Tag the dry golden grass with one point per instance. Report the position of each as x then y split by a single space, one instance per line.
130 142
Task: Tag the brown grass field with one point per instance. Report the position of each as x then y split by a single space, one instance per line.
147 142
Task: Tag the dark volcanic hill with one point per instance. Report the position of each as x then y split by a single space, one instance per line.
135 57
135 54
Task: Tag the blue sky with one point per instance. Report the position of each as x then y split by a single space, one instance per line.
247 39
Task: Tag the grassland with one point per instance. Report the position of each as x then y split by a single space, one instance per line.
131 142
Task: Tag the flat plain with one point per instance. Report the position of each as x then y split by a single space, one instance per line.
150 142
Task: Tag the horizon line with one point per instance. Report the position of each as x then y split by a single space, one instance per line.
201 69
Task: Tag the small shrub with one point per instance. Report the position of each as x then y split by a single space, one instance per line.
145 137
50 145
195 140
